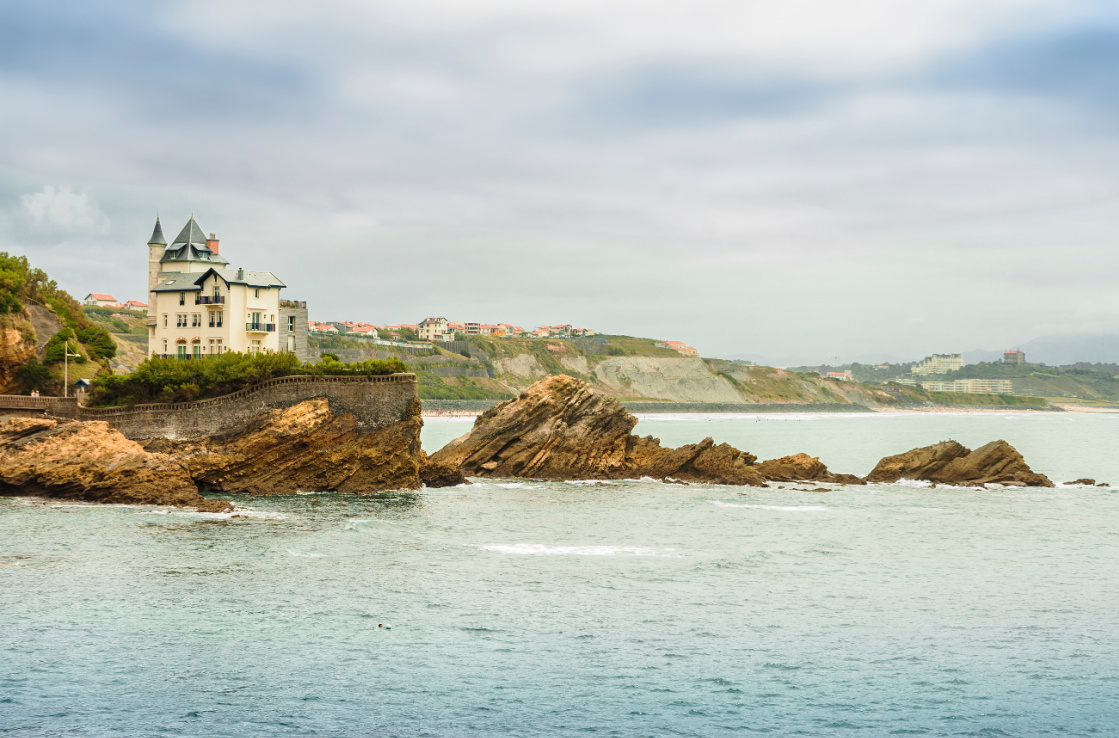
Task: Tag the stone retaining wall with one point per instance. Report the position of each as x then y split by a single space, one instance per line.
374 401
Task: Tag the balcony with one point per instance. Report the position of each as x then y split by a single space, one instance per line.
260 327
209 300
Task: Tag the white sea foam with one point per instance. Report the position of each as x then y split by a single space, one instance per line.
586 481
305 556
781 508
540 549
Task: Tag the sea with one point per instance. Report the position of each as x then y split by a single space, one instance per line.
628 608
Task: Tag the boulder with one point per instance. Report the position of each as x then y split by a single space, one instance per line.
304 448
951 463
90 461
435 474
803 468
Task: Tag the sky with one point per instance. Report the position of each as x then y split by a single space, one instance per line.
789 181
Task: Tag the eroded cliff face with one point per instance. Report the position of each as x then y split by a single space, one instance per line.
90 461
16 347
304 448
561 428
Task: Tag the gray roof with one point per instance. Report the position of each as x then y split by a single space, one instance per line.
178 282
192 282
157 238
190 245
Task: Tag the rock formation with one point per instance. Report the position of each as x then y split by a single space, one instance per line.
91 462
803 468
436 474
560 428
951 463
304 448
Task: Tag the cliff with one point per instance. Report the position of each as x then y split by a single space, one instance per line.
90 462
303 448
562 428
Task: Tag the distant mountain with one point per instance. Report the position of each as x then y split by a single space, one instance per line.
1069 349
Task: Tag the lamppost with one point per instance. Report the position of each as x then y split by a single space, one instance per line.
66 356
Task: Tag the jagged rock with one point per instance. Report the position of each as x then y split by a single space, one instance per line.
951 463
90 461
436 474
1086 483
560 428
304 448
803 468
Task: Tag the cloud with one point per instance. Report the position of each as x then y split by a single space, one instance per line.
63 210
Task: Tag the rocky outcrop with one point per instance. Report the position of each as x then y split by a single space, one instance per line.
561 428
434 474
803 468
304 448
951 463
90 461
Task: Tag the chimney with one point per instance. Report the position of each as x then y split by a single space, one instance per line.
240 273
212 243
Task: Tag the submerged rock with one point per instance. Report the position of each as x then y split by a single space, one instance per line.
304 448
951 463
90 461
561 428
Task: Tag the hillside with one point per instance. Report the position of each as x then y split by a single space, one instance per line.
37 322
635 369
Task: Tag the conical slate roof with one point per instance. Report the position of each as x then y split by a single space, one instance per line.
157 238
190 245
190 234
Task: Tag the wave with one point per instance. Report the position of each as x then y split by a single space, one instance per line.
540 549
781 508
297 554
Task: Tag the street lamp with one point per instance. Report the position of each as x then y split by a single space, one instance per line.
66 356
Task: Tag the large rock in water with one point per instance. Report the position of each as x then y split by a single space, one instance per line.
90 461
304 448
560 428
951 463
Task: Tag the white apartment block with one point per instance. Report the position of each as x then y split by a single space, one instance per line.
198 306
939 364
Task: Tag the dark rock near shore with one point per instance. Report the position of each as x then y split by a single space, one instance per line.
436 474
91 462
561 428
1086 483
951 463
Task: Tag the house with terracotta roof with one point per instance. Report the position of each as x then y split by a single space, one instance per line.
100 299
678 346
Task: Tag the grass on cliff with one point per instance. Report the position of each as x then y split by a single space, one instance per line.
179 380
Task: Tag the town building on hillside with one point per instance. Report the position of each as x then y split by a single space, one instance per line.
844 376
321 328
435 329
1015 357
678 346
971 386
136 305
200 306
938 364
100 299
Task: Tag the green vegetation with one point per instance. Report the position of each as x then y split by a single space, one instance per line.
177 380
869 373
432 387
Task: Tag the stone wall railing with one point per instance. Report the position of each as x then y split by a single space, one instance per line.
373 401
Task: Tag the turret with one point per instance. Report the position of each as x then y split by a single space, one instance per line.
156 246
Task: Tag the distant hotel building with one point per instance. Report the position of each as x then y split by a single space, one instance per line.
972 386
1014 357
939 364
199 306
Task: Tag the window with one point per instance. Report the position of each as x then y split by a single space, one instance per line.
217 290
196 349
165 345
218 344
182 298
221 316
165 323
291 323
180 320
256 293
291 344
182 351
255 347
195 320
212 319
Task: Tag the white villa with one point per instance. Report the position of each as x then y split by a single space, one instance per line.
198 305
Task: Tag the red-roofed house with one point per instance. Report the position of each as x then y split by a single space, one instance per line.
100 299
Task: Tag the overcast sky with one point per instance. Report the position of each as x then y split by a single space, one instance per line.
794 179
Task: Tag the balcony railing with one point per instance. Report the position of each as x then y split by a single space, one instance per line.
209 300
261 327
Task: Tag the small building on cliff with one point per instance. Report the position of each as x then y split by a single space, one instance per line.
200 306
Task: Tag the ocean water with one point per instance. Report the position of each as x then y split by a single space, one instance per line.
630 608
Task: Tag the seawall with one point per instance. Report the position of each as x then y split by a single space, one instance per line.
375 402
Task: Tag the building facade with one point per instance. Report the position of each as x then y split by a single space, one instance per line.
939 364
435 329
199 306
1014 357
